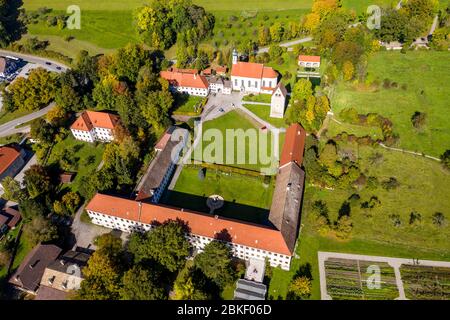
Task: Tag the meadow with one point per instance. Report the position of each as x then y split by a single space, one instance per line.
422 84
374 231
109 24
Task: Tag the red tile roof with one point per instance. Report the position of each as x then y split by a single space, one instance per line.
7 157
185 79
309 58
93 119
252 70
247 234
294 145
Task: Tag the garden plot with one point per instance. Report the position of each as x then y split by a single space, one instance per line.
426 282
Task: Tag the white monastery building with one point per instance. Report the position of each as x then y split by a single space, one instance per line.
309 61
95 126
252 77
276 242
186 81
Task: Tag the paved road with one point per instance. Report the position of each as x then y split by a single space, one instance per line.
53 66
9 128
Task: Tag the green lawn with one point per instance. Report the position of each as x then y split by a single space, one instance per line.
248 154
264 98
246 198
423 188
263 112
22 250
427 81
15 138
9 116
79 153
186 104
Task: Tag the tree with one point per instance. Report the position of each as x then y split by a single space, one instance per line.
438 219
344 227
56 116
276 32
71 200
418 119
263 36
302 90
165 244
275 51
40 229
300 288
190 284
11 26
311 21
37 181
348 70
129 60
215 262
160 22
445 158
12 190
156 109
141 284
102 278
67 99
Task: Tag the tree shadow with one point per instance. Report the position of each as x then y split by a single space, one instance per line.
12 22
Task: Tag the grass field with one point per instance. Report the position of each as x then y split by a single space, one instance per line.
246 198
264 113
79 153
186 106
427 81
423 188
109 24
9 116
250 154
360 6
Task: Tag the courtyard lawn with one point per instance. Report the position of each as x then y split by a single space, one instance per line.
263 98
423 84
263 112
246 198
248 153
423 188
83 157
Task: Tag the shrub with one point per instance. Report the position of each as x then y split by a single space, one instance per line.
445 158
386 83
418 119
395 218
438 219
390 184
414 217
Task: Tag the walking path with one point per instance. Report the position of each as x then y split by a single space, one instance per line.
394 262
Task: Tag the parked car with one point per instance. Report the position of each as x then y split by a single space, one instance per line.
48 63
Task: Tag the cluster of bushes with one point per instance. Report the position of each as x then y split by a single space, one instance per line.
371 119
35 46
44 15
341 228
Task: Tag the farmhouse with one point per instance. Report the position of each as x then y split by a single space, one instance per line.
278 101
252 77
12 159
309 61
186 81
95 126
158 174
246 240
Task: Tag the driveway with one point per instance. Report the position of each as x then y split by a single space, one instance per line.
9 128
